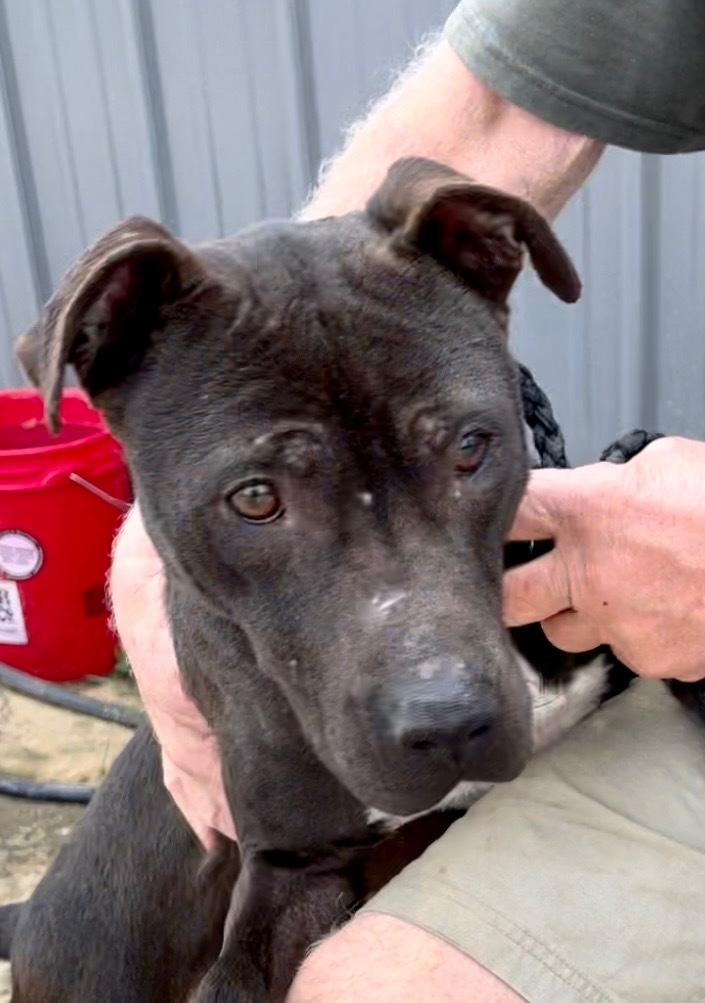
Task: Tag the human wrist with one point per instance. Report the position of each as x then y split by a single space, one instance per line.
530 158
439 109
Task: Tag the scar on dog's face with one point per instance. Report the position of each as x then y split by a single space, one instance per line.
324 428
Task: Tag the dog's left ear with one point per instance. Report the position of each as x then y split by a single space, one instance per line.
479 233
107 311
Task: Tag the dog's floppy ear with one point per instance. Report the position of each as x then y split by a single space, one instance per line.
477 232
102 316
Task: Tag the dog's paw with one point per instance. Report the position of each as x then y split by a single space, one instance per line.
559 707
217 986
228 981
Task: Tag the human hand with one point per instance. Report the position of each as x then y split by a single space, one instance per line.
628 564
190 756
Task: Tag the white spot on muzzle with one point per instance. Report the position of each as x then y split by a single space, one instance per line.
432 666
382 604
365 499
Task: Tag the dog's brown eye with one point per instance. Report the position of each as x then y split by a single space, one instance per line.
257 502
471 453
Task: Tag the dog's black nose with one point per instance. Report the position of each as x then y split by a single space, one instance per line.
446 713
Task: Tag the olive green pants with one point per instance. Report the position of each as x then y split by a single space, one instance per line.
584 879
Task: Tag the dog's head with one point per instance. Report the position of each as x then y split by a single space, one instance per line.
324 427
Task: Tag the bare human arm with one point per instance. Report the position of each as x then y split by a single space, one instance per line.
439 109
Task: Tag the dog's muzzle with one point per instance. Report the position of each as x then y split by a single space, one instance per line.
437 712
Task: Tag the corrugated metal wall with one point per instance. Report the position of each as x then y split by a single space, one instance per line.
210 114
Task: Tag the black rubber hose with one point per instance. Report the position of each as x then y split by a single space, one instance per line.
51 693
35 790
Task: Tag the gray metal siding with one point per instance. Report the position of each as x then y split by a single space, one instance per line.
210 114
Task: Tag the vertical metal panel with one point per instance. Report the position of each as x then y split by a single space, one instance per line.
230 90
632 353
589 357
210 115
358 46
679 263
81 102
19 296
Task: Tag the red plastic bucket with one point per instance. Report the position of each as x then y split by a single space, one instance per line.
60 507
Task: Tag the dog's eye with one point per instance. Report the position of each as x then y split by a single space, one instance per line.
471 453
257 502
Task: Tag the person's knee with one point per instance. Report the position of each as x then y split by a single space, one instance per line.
381 959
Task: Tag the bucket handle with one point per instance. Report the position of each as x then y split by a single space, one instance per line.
110 499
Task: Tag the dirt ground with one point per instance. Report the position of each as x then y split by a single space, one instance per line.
46 743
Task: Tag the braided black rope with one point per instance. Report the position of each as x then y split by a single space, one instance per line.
550 447
539 416
548 437
629 445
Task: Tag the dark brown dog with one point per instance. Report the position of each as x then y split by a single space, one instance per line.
324 428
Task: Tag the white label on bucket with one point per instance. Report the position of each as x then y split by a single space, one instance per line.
12 625
20 554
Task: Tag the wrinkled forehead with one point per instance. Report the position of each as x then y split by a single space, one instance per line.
329 313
